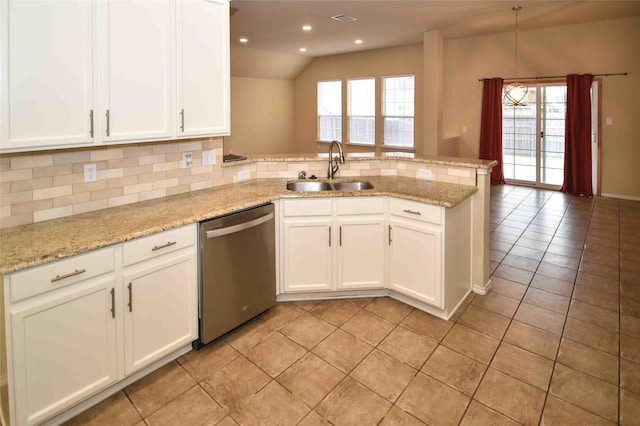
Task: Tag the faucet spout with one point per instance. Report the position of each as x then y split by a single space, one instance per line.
333 162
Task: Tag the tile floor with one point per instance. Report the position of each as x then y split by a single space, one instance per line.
557 341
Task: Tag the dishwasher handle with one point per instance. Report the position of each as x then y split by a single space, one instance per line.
240 227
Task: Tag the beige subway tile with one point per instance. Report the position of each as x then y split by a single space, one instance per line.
5 211
73 199
122 182
137 188
359 165
165 183
91 206
407 173
79 167
464 173
16 175
182 180
267 175
138 170
16 197
70 157
42 215
178 189
110 174
106 194
170 165
196 170
107 154
5 187
122 200
468 181
205 184
287 175
89 187
150 195
151 159
30 185
23 219
30 206
152 177
448 179
388 172
63 169
137 150
375 172
121 163
52 192
176 173
31 161
401 165
173 157
68 179
297 167
163 148
5 163
190 146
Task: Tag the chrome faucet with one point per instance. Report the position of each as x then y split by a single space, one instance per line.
333 163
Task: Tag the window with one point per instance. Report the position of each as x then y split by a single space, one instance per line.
361 110
330 110
398 111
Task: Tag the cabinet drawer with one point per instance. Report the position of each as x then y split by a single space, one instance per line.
59 274
158 244
363 205
416 211
308 207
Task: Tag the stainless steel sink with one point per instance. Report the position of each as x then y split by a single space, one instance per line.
307 186
353 186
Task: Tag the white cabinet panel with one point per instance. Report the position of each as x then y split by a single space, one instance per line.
361 253
307 254
47 72
203 67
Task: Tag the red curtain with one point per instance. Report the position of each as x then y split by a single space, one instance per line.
577 136
491 126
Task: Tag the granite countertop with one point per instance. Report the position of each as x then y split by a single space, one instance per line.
35 244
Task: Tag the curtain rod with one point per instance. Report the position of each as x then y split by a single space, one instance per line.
552 76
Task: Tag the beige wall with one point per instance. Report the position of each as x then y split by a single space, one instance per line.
373 63
261 116
599 47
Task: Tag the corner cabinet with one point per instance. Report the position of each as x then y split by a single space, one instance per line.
97 318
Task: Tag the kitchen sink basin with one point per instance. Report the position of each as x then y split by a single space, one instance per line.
352 186
308 186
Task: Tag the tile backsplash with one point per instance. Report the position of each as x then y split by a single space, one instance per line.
38 186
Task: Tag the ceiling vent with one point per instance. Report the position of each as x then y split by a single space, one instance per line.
344 18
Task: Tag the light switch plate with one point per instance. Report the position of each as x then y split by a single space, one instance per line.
208 157
425 174
90 173
187 160
244 175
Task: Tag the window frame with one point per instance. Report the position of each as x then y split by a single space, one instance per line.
383 114
318 115
349 115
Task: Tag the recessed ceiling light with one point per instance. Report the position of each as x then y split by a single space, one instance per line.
302 49
306 27
358 41
243 40
344 18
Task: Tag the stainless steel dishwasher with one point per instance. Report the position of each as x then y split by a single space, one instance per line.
237 270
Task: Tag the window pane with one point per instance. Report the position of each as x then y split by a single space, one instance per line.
330 110
398 110
361 110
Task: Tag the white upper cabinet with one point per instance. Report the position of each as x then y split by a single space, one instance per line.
137 42
203 68
47 57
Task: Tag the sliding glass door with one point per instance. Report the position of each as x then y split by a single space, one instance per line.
533 138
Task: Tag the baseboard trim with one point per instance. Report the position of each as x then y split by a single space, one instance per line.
482 290
620 196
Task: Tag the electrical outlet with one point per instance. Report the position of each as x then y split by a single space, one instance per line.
609 121
208 157
464 129
425 174
90 173
244 175
187 160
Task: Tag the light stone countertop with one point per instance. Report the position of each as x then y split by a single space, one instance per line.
25 246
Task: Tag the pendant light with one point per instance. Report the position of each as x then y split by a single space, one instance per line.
516 94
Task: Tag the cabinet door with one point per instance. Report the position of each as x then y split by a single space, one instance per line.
361 253
203 67
415 264
160 306
137 63
64 348
307 255
46 76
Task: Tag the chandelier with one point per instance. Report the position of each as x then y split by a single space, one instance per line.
516 94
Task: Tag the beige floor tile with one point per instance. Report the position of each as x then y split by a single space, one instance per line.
249 335
559 412
612 273
281 315
445 406
484 321
471 343
610 261
193 407
426 325
227 421
233 384
527 252
272 405
630 307
313 419
594 315
310 379
533 339
201 364
596 298
513 274
630 348
275 354
598 283
507 288
591 335
630 325
511 397
585 391
630 291
383 374
629 408
546 300
480 415
630 375
308 330
560 260
497 303
350 403
397 417
552 285
564 274
335 312
307 305
368 327
458 371
389 309
565 251
342 350
408 347
360 302
158 388
541 318
523 365
521 262
115 410
589 360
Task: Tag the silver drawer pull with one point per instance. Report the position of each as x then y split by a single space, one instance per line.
70 274
412 212
169 244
